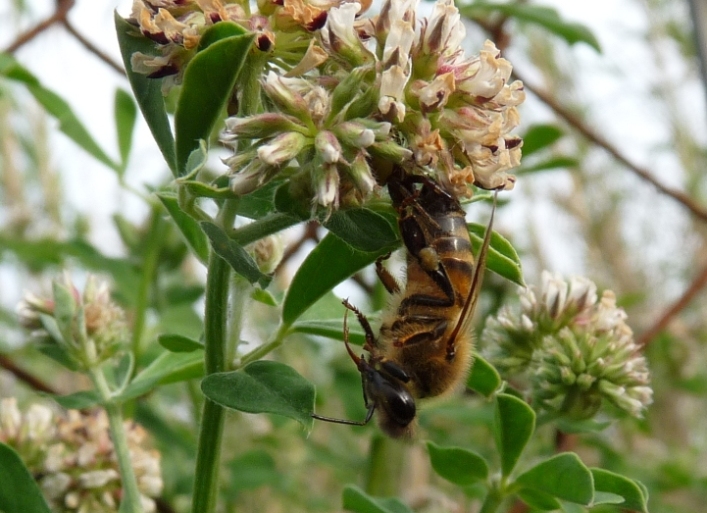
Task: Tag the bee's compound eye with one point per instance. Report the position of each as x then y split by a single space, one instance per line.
399 405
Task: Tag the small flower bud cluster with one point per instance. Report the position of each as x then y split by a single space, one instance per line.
351 96
573 350
90 327
73 459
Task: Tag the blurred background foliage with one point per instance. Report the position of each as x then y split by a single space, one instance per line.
612 186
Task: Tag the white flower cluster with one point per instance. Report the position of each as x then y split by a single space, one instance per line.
74 459
573 350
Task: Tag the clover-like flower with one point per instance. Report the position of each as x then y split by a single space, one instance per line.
89 326
572 350
73 458
389 89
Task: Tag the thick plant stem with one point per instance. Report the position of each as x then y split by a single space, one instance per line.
131 493
492 502
386 457
211 431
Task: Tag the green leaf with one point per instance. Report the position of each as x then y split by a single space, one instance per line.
331 328
631 493
167 368
546 17
563 476
77 400
179 343
460 466
125 116
359 501
195 237
233 253
19 492
55 106
264 296
363 229
147 91
539 500
258 203
484 378
502 258
263 387
560 162
207 86
327 265
540 136
514 423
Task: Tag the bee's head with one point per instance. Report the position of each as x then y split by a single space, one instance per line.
387 391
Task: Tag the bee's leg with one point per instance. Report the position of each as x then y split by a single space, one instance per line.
387 279
362 367
370 337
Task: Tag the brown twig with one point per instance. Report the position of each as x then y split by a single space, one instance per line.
92 48
310 233
695 287
24 376
59 16
575 122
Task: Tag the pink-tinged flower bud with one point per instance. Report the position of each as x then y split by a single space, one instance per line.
286 94
327 146
327 186
252 177
339 35
282 148
355 134
361 175
260 126
10 419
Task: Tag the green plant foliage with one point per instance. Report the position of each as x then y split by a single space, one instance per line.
176 343
363 229
483 378
514 425
316 276
612 488
263 387
58 108
501 258
233 253
358 501
125 116
190 229
563 476
201 101
460 466
545 17
147 91
19 492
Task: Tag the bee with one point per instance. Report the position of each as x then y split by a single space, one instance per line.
424 345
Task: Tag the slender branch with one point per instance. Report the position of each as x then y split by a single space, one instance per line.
697 285
92 48
310 233
24 376
59 16
575 122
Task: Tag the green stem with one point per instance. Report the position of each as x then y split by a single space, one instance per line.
492 501
261 351
385 467
271 223
211 430
131 492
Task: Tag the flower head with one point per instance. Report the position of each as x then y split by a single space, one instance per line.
575 351
89 326
74 460
333 73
